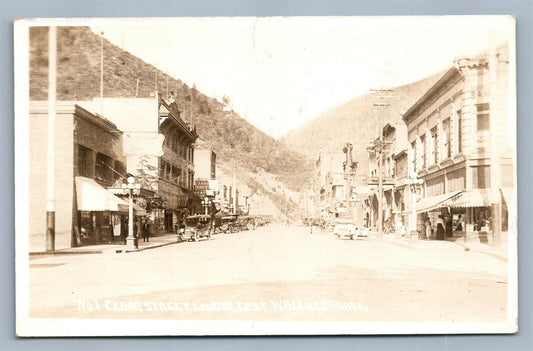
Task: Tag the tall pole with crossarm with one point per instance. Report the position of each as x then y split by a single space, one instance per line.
382 105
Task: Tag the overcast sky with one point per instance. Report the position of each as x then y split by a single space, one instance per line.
281 72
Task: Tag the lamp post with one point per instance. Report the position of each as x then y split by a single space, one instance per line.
206 203
355 201
413 181
131 189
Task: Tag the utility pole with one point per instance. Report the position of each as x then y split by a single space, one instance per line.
234 187
382 105
495 168
51 159
101 73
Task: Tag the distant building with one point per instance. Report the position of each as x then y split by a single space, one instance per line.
205 164
394 155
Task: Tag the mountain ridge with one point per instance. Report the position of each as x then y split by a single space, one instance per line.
356 121
234 139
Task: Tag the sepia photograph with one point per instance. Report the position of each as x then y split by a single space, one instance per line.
266 176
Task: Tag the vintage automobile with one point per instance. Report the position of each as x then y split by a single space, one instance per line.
227 224
196 227
345 228
247 222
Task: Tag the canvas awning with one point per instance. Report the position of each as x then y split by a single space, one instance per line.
470 198
432 202
91 196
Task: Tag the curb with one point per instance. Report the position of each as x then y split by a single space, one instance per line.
145 248
467 248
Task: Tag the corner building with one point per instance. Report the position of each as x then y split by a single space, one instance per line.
461 143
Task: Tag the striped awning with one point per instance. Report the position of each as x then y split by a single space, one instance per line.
470 198
431 203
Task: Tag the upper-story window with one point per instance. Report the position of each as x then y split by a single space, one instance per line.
459 131
434 146
103 167
423 151
482 117
446 142
413 156
83 161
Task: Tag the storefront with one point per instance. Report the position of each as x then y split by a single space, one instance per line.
102 217
429 209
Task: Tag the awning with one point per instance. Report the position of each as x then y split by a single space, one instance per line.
92 196
432 202
470 198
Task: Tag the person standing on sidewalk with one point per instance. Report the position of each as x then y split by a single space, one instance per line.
440 228
146 230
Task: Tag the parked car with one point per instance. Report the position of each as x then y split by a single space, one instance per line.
197 227
227 224
345 228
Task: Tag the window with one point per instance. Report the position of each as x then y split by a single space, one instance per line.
446 151
434 146
103 167
413 156
423 151
120 170
482 117
481 177
83 158
161 168
459 131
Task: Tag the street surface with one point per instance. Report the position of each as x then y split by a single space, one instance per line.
275 273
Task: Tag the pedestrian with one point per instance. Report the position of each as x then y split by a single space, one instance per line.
440 228
449 226
460 224
146 230
429 231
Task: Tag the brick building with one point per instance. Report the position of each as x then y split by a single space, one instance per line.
89 158
159 150
461 143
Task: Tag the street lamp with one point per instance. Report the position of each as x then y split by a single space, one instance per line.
206 203
131 189
413 181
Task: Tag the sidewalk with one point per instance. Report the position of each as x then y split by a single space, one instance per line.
155 241
499 252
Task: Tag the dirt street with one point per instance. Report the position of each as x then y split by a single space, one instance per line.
275 273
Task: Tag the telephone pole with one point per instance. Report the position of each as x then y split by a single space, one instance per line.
381 104
51 160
